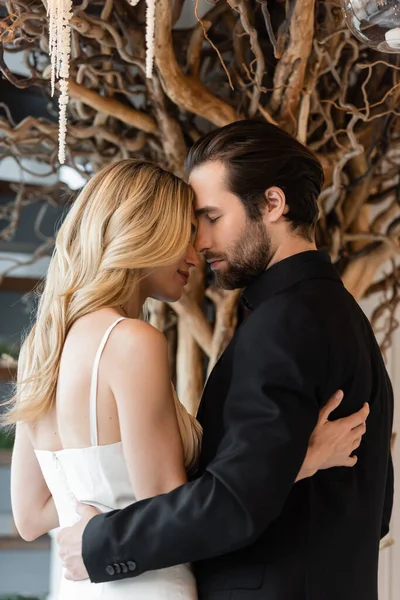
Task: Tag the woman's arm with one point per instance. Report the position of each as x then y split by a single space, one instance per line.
33 507
138 372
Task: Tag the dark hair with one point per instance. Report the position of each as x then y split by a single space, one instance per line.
257 156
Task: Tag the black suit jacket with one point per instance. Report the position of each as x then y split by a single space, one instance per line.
250 531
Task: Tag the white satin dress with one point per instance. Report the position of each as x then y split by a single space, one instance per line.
98 475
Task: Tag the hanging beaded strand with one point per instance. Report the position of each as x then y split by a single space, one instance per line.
59 14
150 28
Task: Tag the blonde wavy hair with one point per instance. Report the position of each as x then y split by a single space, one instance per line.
131 216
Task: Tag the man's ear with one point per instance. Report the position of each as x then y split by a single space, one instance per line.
276 204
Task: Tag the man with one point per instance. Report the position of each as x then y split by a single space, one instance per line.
250 532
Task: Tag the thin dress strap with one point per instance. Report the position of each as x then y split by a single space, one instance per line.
93 387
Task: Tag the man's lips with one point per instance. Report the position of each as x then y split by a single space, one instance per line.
215 263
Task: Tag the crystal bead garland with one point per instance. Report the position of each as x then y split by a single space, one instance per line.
59 14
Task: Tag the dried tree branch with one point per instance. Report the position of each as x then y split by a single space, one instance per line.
112 108
291 69
188 93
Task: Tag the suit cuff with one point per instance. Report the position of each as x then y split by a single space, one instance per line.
101 561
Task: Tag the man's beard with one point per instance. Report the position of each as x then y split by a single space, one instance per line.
247 259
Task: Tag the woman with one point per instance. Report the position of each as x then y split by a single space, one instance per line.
98 420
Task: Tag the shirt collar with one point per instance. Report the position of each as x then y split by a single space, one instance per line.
311 264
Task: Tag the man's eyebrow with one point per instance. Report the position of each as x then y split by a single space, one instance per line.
206 209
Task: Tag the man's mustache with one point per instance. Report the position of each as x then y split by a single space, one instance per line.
210 257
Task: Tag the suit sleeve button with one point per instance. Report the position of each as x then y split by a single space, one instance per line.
110 570
117 568
123 567
131 565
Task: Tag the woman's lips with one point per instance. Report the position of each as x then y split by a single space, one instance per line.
184 275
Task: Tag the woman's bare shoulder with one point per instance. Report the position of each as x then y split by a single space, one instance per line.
134 335
136 352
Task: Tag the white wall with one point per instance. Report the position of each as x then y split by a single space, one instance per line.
389 567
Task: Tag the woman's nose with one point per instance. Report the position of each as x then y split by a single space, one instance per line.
200 243
192 258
